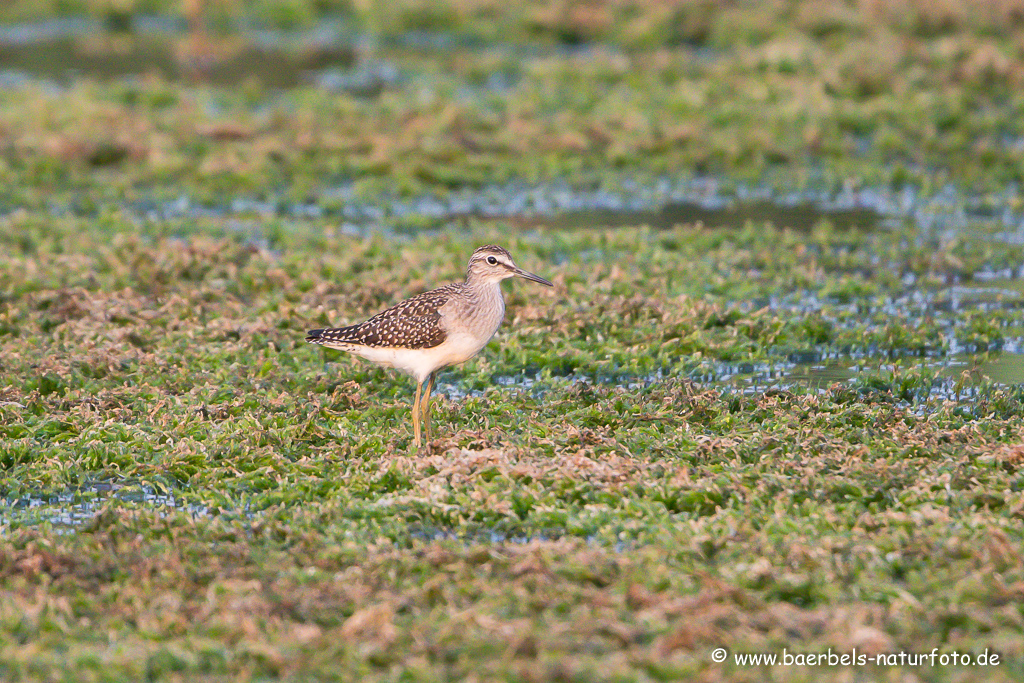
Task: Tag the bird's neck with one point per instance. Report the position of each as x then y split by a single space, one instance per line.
484 305
482 289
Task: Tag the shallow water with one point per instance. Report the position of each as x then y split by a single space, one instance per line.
64 50
660 203
815 371
73 508
803 216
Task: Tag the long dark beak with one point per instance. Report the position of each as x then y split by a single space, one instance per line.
530 276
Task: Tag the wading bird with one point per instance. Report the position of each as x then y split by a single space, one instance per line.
433 330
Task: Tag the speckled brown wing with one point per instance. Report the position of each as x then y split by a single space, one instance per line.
411 324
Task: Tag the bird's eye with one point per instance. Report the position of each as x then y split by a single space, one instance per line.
492 261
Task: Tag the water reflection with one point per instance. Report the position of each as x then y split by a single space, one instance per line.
75 507
802 216
952 377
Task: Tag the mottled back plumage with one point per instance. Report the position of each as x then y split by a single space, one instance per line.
411 324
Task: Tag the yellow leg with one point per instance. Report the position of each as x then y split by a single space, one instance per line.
416 416
425 405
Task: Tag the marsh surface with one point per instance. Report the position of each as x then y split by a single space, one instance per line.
773 400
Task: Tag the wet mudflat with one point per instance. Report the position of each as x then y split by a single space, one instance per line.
773 401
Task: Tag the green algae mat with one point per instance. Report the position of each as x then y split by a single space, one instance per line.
194 493
765 426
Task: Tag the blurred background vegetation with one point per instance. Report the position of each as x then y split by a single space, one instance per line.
629 23
425 96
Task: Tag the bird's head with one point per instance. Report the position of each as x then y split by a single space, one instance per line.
493 264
